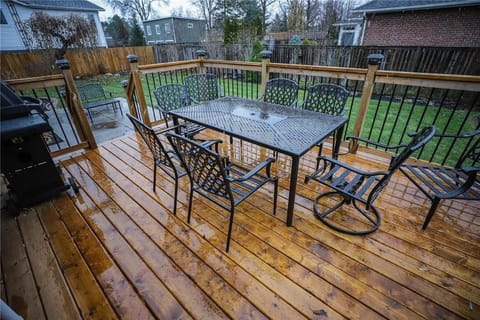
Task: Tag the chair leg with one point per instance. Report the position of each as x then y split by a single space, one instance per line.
154 175
230 226
434 206
175 195
275 193
190 201
320 147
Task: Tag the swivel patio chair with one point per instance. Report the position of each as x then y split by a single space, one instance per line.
216 178
281 91
165 159
325 98
441 182
202 87
353 185
173 96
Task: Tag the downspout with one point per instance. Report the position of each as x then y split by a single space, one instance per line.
173 27
364 26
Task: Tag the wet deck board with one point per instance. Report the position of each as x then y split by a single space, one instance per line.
119 241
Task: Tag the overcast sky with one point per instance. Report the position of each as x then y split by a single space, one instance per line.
161 9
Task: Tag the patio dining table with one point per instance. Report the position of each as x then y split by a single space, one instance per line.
286 130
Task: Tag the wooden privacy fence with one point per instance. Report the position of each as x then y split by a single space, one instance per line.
84 62
91 62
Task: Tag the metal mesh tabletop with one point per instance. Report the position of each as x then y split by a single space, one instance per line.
287 130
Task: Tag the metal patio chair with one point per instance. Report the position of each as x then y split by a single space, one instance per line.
441 182
164 158
202 87
173 96
354 185
221 181
281 91
325 98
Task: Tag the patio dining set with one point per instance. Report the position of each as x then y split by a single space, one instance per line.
277 122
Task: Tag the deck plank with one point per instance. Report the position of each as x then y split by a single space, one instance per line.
56 297
22 294
88 294
141 262
260 294
119 290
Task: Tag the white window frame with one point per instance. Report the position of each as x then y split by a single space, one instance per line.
168 29
157 29
149 30
190 25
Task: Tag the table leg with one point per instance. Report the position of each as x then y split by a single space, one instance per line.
338 141
292 192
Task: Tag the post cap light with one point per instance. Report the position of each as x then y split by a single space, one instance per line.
375 58
132 58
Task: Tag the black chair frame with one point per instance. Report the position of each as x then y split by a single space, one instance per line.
216 178
281 91
354 185
326 98
202 87
173 96
441 182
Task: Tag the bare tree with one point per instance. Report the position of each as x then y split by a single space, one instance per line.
207 9
140 8
59 33
264 5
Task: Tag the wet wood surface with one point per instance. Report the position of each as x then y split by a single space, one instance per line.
115 250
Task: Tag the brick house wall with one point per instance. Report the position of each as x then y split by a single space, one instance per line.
456 27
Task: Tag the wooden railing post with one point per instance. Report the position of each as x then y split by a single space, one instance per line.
126 85
266 55
137 82
373 61
201 55
74 105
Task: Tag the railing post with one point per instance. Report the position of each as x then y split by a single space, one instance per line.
129 94
74 105
201 55
266 55
137 82
373 61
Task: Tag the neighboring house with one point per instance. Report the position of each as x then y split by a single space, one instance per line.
14 12
454 23
174 30
350 31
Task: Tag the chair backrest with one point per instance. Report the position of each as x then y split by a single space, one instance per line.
204 167
471 157
281 91
326 98
419 139
91 91
171 96
202 87
160 155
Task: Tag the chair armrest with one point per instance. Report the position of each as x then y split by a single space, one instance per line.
328 160
376 143
264 164
162 131
464 135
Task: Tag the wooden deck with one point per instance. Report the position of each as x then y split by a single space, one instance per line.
115 250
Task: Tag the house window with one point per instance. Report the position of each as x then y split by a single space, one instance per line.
149 30
157 28
2 18
167 28
190 25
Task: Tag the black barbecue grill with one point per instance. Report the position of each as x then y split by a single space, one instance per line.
29 170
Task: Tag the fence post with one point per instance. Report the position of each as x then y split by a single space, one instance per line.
201 55
74 105
373 61
266 55
137 83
